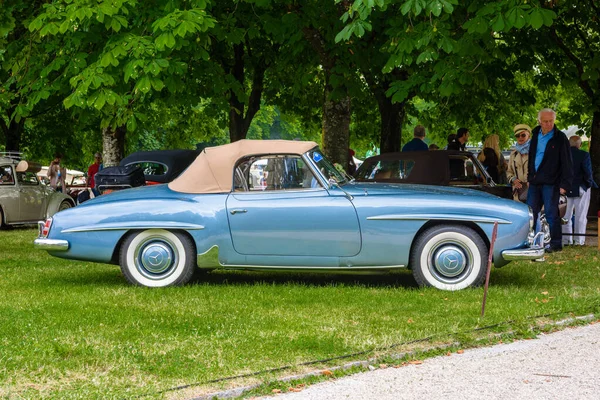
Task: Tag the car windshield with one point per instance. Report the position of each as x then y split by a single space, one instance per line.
327 168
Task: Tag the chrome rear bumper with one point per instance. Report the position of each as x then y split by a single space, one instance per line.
530 253
43 243
51 244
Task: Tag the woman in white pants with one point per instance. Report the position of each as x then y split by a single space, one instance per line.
578 198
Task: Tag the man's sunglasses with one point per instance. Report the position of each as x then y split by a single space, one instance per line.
520 135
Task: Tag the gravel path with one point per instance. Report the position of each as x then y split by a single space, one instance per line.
560 365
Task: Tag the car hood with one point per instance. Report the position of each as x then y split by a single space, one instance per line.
375 189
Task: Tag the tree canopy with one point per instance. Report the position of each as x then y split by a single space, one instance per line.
175 73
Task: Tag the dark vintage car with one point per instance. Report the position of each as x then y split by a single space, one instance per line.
440 168
161 166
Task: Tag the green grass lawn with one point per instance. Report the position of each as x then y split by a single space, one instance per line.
72 329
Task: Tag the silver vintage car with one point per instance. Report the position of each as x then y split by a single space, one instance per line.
23 198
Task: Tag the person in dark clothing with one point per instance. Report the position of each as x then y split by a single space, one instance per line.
457 169
451 138
578 196
351 167
550 173
490 163
460 141
417 144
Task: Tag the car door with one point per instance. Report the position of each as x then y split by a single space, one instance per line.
9 194
32 195
293 215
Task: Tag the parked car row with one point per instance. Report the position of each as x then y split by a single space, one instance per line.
307 215
23 198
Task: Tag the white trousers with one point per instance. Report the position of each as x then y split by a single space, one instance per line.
580 205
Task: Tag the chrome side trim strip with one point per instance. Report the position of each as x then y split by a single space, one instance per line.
317 268
51 244
117 226
445 217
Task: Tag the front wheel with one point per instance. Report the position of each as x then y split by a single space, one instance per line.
449 257
158 258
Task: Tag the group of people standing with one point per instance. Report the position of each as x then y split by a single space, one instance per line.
544 166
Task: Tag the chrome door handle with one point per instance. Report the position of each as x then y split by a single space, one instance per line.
238 211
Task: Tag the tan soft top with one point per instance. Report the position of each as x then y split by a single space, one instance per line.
212 170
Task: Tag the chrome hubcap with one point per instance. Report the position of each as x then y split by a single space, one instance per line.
450 262
155 258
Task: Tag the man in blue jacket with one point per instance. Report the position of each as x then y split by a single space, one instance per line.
578 196
550 173
417 144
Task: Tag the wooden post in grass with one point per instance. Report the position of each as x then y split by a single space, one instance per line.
489 267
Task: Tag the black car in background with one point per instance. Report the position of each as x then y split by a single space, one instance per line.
161 166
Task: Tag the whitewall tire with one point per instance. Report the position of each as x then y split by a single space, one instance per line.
158 258
449 257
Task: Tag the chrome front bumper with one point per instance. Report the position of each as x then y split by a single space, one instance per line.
51 244
535 251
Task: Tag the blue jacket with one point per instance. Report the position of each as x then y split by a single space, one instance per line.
582 172
415 145
556 167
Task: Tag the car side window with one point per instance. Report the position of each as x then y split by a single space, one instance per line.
27 178
388 169
151 167
464 172
6 175
268 173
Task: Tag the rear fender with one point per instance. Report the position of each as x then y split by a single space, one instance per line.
54 202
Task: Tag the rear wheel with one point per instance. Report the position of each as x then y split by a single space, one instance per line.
158 258
449 257
64 206
1 218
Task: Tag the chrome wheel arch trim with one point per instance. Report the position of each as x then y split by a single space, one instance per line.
209 259
443 217
119 226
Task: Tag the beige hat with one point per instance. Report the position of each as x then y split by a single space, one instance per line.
522 127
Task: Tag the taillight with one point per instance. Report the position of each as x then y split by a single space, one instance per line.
45 229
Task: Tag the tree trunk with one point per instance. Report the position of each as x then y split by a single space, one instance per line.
392 116
113 145
13 135
12 132
336 129
595 146
240 114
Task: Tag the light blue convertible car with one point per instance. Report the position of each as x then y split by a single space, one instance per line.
304 215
